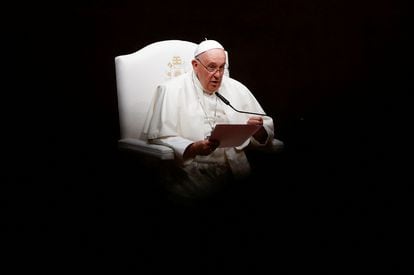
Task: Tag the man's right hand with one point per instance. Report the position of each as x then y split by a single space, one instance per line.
201 147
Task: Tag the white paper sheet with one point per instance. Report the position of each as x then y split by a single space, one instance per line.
232 135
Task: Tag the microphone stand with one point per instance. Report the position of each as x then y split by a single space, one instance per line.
228 103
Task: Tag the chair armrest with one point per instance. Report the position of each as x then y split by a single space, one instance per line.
275 146
159 151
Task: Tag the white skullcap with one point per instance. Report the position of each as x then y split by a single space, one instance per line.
207 45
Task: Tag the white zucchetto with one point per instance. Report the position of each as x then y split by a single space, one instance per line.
207 45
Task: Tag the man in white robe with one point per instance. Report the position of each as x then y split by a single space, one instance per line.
185 110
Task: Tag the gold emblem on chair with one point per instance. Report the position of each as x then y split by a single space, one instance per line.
176 67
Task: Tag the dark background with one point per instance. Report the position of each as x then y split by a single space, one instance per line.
334 75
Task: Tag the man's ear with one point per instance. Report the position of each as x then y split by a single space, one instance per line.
195 65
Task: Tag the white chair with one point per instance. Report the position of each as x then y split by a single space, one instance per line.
137 75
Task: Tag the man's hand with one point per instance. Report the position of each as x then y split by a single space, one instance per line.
201 147
261 134
255 120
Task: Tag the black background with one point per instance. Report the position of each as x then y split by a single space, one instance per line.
334 75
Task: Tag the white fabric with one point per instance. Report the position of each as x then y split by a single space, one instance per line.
207 45
180 113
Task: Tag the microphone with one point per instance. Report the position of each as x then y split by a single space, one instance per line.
228 103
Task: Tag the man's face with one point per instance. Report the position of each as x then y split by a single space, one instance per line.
209 68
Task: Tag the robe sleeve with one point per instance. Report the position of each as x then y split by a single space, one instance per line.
161 123
162 116
248 102
177 143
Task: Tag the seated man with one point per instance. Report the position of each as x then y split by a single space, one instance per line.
185 110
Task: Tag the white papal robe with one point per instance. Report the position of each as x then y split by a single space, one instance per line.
181 113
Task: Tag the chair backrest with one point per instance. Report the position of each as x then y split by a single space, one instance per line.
138 74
